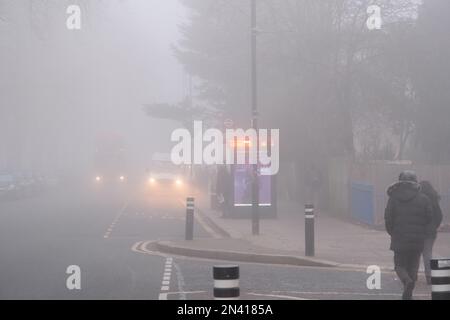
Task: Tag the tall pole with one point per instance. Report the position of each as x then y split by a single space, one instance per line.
255 184
191 104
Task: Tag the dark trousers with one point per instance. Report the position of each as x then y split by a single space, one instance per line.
427 255
407 265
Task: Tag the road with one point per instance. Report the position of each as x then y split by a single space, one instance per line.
107 233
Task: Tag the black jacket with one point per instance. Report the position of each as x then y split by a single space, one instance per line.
437 217
408 216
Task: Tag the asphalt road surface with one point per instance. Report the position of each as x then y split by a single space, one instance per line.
107 233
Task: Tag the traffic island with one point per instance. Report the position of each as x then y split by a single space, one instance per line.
236 250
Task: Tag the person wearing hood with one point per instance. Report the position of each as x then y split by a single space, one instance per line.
433 195
408 218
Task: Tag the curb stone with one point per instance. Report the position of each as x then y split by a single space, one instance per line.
167 247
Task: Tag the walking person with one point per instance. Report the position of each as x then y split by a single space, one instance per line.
223 189
408 216
433 195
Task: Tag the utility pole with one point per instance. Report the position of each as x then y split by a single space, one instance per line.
255 182
191 104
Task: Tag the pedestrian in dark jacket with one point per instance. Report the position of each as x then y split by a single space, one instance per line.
408 217
433 195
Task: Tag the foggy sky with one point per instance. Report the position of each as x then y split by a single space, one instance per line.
60 89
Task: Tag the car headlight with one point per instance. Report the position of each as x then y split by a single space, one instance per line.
179 182
98 178
152 180
122 178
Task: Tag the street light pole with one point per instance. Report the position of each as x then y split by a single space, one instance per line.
255 184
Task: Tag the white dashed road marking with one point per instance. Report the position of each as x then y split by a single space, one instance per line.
166 279
276 296
330 293
115 221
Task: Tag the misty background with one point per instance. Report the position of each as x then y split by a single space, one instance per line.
83 112
61 90
332 86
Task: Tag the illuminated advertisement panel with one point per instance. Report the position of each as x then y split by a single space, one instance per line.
243 187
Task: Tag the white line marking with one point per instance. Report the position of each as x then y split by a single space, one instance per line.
116 219
276 296
185 292
164 296
348 293
141 247
135 246
180 282
166 276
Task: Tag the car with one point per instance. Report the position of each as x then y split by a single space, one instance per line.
166 184
165 177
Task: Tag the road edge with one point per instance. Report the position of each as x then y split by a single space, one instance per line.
171 248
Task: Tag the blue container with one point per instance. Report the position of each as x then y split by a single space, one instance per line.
362 203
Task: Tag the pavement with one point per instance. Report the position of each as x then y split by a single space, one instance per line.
338 243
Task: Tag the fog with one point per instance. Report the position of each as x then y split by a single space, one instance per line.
261 133
61 90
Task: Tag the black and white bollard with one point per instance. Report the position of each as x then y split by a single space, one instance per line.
309 230
440 279
226 282
190 219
